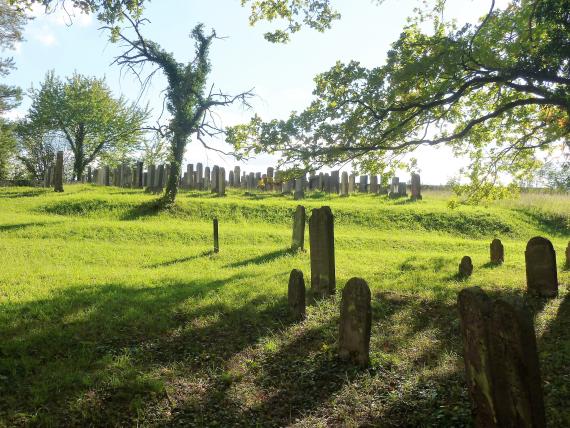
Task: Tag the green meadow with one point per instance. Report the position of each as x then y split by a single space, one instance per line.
113 313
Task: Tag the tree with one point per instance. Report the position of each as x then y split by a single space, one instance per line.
83 111
186 97
498 91
556 174
36 148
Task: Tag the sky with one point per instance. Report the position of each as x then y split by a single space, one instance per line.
281 76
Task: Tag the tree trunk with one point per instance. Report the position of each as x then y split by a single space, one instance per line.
178 146
79 153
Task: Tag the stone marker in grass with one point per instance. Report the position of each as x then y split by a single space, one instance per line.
355 322
321 234
374 184
299 193
296 294
207 176
351 183
58 173
363 184
216 237
222 182
501 361
568 256
465 267
497 252
298 240
215 186
416 188
344 184
541 274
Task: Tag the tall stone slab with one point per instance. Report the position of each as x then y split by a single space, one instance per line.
58 173
160 177
321 182
402 190
269 178
207 177
501 361
344 184
416 188
237 178
106 176
200 176
497 252
222 182
151 176
296 295
355 322
335 182
231 179
299 192
541 273
140 174
215 183
190 176
321 235
351 183
568 256
363 184
251 182
299 220
394 188
374 184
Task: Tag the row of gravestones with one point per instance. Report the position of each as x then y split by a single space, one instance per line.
156 177
500 351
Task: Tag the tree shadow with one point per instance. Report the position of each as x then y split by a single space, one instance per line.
20 226
145 209
180 260
491 265
549 222
263 258
25 193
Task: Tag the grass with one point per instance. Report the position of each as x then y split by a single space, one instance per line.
113 313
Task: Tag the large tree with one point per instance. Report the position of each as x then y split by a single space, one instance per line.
85 113
497 91
187 97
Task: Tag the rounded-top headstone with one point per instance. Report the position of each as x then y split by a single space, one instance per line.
465 267
296 294
497 252
541 274
355 322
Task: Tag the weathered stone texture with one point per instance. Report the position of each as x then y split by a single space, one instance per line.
355 322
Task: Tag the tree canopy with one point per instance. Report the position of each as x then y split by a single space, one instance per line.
498 92
83 111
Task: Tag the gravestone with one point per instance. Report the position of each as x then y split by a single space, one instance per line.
416 188
216 236
355 322
231 179
199 183
394 188
215 182
251 181
363 184
206 185
237 176
296 295
151 176
465 267
160 178
335 185
58 173
145 179
344 184
351 183
327 183
501 361
89 175
190 176
497 252
140 174
299 193
222 182
269 179
541 274
321 235
106 176
402 190
568 256
374 184
298 240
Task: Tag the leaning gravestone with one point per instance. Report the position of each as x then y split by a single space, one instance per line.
321 235
465 267
298 241
58 175
541 274
501 361
355 322
296 294
497 252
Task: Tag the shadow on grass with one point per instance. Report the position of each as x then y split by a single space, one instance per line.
181 260
146 209
20 226
25 193
491 265
263 258
549 222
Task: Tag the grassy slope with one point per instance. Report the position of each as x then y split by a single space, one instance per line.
112 313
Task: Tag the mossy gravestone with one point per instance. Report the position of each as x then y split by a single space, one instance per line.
321 234
296 294
298 241
501 361
541 275
58 174
355 322
465 267
497 252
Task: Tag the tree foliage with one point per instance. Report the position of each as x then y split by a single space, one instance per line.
498 92
83 111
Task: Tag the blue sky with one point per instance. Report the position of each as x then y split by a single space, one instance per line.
281 75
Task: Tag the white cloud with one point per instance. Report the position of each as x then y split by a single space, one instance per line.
44 35
14 114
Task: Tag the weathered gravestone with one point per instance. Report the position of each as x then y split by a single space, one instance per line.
298 241
151 176
497 252
363 184
231 179
296 294
351 183
465 267
299 193
140 174
334 180
206 185
58 174
541 274
216 236
222 182
416 187
199 182
394 188
344 184
402 190
374 184
215 182
321 235
355 322
501 362
237 176
160 175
